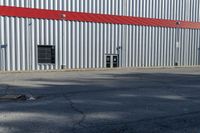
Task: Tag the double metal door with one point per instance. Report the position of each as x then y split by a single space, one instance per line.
112 61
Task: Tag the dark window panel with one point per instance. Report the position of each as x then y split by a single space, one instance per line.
46 54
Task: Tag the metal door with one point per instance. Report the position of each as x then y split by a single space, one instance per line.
115 61
3 57
112 60
108 61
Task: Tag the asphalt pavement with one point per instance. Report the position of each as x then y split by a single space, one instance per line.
111 101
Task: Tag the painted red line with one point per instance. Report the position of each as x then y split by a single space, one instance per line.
96 18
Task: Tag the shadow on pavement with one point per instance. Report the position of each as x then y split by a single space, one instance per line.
107 103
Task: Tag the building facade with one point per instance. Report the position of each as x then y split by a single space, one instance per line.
78 34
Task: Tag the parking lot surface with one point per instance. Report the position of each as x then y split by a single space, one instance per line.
111 101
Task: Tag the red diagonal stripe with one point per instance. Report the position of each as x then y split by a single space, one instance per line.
96 18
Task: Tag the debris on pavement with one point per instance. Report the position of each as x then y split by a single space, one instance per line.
17 97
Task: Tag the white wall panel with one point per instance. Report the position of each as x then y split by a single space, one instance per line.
84 45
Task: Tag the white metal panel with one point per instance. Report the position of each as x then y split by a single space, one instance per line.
84 45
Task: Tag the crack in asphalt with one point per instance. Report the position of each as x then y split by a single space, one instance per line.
82 113
120 127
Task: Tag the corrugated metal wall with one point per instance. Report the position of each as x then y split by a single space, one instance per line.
156 46
84 45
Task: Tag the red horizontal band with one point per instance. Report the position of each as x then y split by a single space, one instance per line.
90 17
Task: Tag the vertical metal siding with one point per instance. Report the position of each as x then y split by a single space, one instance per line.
147 47
91 6
84 45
